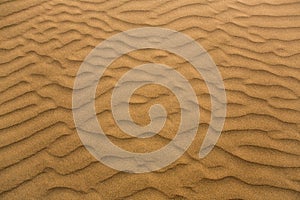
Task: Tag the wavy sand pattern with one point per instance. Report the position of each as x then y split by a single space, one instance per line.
255 44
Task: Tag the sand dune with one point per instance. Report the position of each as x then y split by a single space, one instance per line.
256 46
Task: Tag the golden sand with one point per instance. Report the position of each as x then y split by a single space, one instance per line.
256 46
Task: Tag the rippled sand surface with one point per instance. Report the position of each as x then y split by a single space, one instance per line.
256 46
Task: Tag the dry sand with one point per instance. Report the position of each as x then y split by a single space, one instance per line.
255 44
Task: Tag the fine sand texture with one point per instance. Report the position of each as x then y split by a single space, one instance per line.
256 46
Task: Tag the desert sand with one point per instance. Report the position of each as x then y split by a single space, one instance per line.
256 46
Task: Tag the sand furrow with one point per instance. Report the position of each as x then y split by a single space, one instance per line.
256 46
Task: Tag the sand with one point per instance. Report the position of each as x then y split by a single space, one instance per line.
256 46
